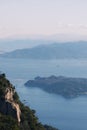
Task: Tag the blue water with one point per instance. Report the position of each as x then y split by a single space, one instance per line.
51 109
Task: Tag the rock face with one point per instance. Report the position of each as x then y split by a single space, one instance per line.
8 106
66 86
15 106
14 115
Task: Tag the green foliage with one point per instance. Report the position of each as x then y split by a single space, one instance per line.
28 119
49 127
2 75
16 97
8 123
3 85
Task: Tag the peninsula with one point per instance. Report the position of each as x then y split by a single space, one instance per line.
67 87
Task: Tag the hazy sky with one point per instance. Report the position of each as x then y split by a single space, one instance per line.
21 18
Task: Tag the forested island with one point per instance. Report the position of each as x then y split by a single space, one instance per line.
67 87
14 115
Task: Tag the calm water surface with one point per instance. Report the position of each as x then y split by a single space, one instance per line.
51 109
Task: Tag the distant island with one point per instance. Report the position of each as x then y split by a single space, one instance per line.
65 86
68 50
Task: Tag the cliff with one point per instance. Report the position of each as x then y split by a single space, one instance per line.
8 104
66 86
14 115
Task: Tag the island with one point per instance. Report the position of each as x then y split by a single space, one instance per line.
67 87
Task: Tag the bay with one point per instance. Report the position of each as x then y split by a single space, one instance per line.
51 109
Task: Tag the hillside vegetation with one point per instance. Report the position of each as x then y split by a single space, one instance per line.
68 87
12 109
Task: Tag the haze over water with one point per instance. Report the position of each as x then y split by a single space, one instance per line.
51 109
48 20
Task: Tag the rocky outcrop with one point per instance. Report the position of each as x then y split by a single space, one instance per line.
14 115
9 98
8 106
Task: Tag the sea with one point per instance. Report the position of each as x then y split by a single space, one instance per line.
51 109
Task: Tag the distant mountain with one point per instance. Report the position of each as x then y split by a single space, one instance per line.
53 51
13 44
65 86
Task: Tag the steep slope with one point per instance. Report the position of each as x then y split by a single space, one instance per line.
13 114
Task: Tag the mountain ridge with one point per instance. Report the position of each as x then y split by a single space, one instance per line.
70 50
